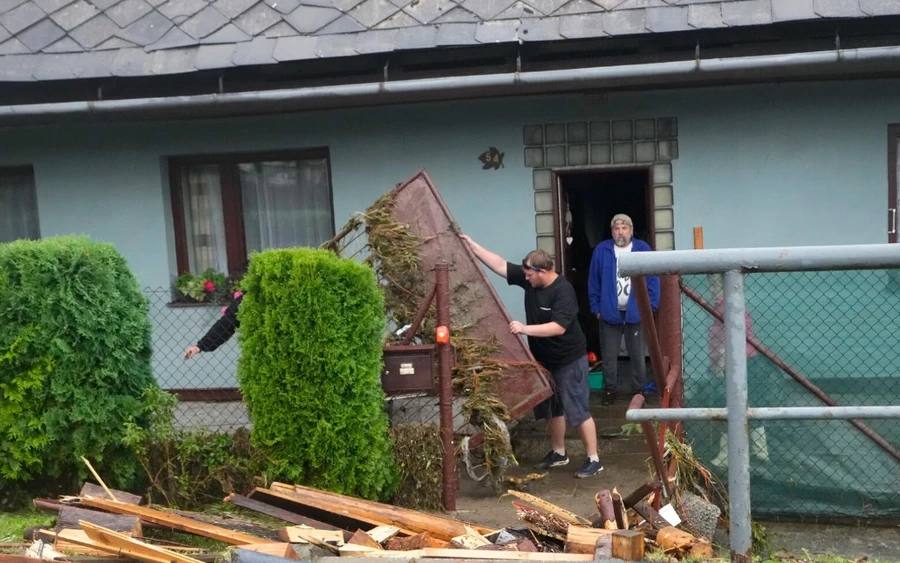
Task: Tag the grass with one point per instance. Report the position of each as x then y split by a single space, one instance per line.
13 524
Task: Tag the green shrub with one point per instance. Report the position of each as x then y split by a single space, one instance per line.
189 468
311 331
74 361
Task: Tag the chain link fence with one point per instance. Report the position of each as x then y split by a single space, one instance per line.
838 331
207 383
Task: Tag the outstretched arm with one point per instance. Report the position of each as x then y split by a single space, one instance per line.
219 333
493 261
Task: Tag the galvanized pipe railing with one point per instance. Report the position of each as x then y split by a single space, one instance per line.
734 264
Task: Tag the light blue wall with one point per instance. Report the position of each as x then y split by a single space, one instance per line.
757 166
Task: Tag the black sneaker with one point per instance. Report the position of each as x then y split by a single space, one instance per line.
589 469
552 459
608 398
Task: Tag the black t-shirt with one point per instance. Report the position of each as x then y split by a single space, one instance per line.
554 303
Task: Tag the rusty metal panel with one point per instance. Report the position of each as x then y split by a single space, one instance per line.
418 203
408 369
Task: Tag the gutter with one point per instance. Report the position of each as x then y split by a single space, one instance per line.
764 67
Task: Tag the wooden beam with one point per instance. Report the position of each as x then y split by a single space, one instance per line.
285 549
628 545
342 520
174 521
120 543
275 512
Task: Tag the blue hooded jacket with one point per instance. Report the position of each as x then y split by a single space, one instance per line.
602 284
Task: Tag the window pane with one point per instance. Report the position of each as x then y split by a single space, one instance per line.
204 223
18 206
286 203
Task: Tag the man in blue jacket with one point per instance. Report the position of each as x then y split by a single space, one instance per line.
615 307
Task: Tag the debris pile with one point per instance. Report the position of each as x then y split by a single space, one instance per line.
101 524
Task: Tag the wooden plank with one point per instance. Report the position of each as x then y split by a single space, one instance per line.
505 555
641 493
551 508
69 516
628 545
650 515
284 549
275 512
382 534
300 534
352 550
174 521
584 540
120 543
340 519
96 491
364 539
409 521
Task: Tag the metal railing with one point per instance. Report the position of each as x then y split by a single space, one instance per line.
735 264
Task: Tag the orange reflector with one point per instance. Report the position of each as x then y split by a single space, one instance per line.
442 335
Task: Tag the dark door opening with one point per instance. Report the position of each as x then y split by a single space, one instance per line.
585 204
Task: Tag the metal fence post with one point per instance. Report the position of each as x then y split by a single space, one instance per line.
442 304
736 403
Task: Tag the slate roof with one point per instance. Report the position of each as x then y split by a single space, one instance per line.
64 39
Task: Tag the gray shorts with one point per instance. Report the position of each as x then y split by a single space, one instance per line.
570 394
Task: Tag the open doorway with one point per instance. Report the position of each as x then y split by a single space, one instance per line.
585 203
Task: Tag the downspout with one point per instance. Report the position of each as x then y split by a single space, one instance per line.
591 77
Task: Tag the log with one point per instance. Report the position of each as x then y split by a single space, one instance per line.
365 540
275 512
381 514
47 504
607 513
92 490
174 521
620 510
584 540
69 517
628 545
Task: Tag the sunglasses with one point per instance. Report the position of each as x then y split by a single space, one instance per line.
530 267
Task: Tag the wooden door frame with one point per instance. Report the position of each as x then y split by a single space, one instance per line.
556 176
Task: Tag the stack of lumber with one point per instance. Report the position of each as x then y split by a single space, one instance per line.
100 524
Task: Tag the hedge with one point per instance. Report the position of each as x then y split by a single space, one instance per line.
74 361
311 335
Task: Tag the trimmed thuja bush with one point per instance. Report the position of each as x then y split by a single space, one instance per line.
74 362
311 335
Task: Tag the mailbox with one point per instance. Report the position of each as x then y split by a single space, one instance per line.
409 369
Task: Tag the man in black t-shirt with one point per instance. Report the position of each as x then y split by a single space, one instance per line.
557 342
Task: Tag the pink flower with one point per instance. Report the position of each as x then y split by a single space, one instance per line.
209 286
237 294
224 309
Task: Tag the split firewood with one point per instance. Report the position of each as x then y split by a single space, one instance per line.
620 510
96 491
174 521
382 534
364 539
584 540
69 516
682 544
470 540
607 513
120 544
551 508
414 542
541 522
628 545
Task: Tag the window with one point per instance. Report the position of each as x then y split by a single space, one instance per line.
18 205
226 206
893 178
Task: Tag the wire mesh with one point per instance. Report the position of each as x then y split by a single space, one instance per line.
840 331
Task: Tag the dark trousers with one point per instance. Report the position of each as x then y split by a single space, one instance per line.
610 338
